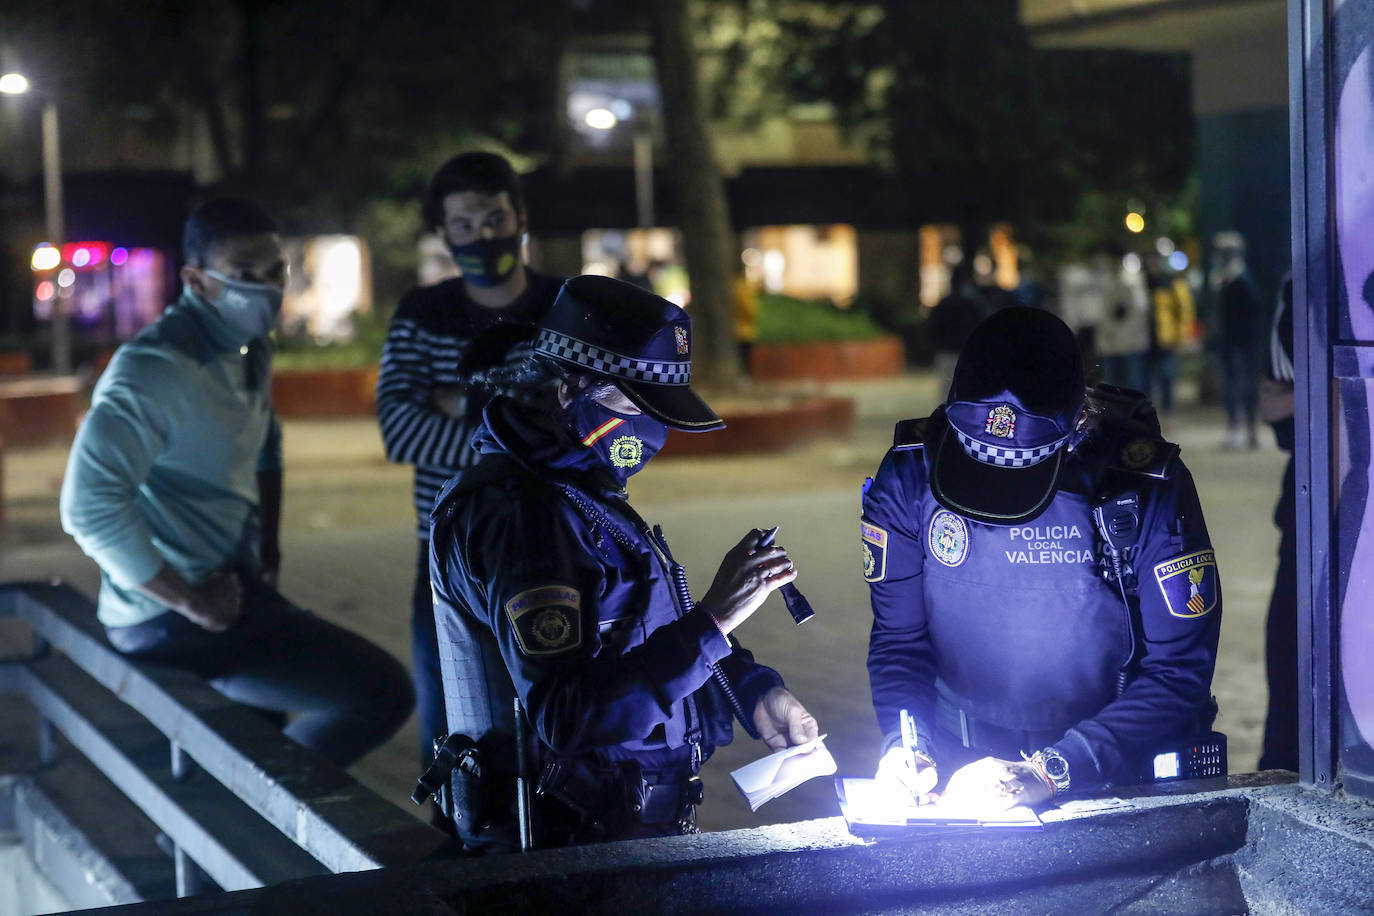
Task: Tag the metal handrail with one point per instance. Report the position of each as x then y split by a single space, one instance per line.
337 821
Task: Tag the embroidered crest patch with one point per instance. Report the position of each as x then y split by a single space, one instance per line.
1190 584
680 333
948 538
547 620
874 542
1138 453
1001 422
627 452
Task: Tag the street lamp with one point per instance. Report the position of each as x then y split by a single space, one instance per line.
607 119
18 84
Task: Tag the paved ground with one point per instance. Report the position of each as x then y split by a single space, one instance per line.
349 555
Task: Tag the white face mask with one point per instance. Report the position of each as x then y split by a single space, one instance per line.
249 308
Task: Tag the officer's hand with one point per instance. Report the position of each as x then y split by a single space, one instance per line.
897 775
782 721
217 603
449 400
996 785
746 576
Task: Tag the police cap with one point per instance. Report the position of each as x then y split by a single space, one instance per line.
999 440
640 341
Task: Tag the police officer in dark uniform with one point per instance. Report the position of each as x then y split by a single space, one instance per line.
1045 595
549 588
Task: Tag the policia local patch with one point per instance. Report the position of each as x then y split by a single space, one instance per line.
547 620
1189 583
874 541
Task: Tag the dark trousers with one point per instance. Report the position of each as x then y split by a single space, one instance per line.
345 695
425 669
1280 749
1240 391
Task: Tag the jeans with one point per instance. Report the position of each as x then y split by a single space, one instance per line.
346 696
425 668
1240 391
1163 371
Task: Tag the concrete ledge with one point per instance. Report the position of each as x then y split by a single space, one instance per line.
1252 843
1156 853
1308 852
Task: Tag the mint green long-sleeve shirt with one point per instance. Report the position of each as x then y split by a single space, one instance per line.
164 467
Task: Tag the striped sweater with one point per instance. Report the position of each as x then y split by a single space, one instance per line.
431 344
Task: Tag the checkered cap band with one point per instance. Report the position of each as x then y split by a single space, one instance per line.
579 352
1001 457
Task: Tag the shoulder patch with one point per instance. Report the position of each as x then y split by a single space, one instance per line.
1145 456
874 542
547 620
910 434
1190 583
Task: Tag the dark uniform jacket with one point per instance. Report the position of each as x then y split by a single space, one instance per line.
547 583
1014 628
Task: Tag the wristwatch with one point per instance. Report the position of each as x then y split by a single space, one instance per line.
1053 765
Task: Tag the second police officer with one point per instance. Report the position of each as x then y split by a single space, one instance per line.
1038 649
550 588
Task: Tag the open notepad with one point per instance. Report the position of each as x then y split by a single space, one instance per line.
784 770
869 807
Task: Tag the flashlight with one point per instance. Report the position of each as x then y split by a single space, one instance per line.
796 602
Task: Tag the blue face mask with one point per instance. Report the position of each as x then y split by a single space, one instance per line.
251 309
488 262
624 444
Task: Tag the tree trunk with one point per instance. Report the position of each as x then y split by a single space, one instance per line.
705 214
250 63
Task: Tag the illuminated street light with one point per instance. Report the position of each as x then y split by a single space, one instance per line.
45 257
601 119
1135 222
14 84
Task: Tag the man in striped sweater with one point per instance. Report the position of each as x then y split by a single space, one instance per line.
443 361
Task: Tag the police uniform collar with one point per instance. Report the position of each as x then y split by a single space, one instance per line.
534 440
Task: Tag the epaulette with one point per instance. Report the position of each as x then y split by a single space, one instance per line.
1145 456
910 434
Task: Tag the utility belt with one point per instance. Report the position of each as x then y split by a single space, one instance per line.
622 799
979 733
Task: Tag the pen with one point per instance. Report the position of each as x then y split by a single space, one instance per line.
909 741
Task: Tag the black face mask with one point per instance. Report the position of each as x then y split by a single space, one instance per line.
487 262
624 444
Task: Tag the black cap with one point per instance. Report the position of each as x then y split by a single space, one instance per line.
998 442
638 340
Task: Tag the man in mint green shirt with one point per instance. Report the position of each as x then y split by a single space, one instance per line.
173 487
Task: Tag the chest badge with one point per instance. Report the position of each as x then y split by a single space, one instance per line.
1001 422
948 538
627 452
1138 453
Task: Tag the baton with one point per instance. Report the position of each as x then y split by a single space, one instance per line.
796 602
524 813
